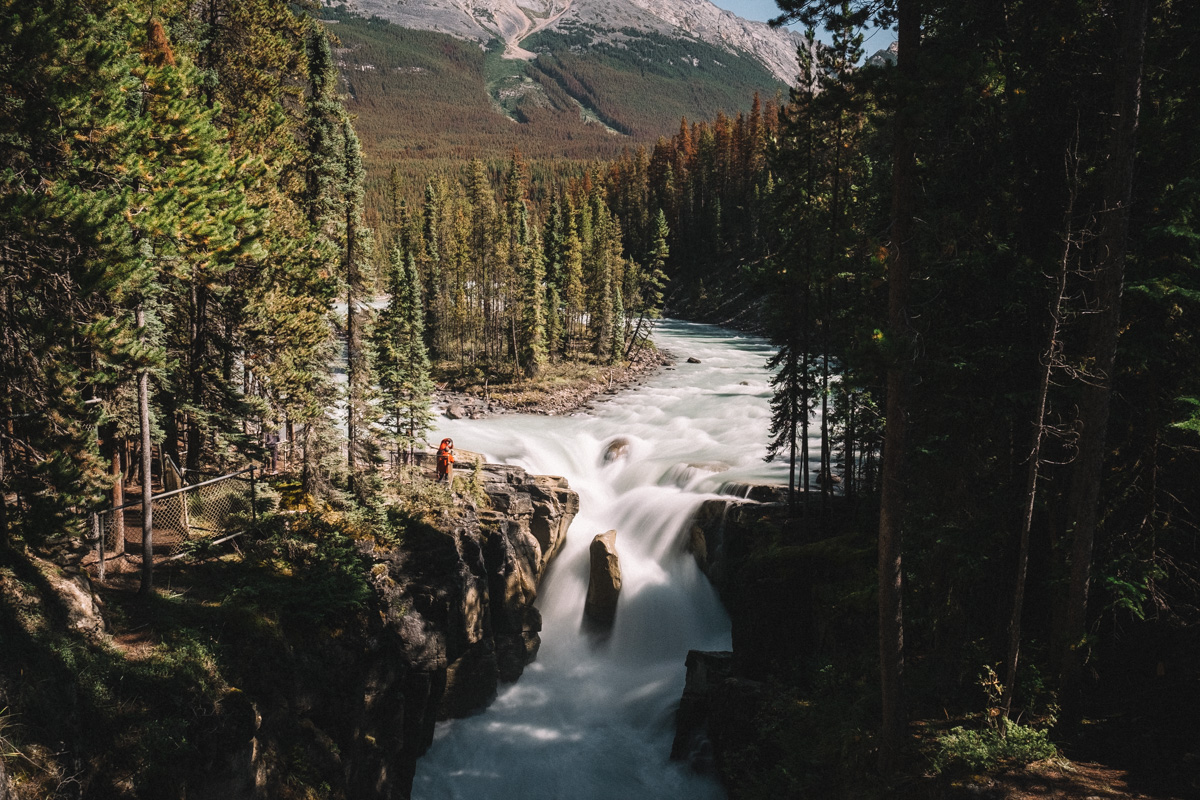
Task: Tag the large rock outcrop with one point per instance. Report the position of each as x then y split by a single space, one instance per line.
451 619
792 586
706 671
604 582
523 530
459 606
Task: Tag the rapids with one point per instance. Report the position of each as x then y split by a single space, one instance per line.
595 719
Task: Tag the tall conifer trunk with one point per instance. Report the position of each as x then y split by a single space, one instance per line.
147 582
1108 262
892 496
115 447
1050 353
351 355
198 348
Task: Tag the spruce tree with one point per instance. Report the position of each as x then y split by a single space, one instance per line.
356 268
72 268
483 243
649 286
402 366
324 202
572 292
554 259
435 292
617 334
533 295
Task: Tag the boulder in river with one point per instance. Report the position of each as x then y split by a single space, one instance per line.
693 360
604 583
617 448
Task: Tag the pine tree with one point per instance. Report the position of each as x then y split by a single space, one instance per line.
356 252
72 268
533 294
435 292
617 332
598 272
650 282
572 292
401 360
482 256
324 201
554 259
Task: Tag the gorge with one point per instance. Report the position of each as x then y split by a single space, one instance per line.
593 716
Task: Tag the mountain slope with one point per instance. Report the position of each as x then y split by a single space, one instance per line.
587 92
611 21
579 90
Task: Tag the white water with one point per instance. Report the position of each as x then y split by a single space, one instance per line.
595 719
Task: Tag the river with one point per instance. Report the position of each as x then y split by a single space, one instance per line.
595 719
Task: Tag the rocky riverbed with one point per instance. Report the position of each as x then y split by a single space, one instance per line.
552 397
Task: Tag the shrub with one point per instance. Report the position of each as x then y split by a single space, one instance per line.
985 750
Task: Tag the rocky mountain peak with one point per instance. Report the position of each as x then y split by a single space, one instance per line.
513 21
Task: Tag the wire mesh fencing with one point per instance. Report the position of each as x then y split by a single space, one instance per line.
202 511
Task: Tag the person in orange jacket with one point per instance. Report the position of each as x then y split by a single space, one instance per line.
445 460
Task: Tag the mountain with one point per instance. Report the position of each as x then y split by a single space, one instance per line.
605 21
433 83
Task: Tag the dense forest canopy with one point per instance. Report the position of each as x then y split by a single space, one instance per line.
190 209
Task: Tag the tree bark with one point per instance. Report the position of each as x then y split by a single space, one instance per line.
1107 261
892 495
198 355
793 414
147 583
116 472
5 540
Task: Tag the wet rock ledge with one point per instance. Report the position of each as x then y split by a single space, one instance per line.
783 582
458 618
451 618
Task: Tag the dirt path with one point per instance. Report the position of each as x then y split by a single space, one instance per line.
1051 780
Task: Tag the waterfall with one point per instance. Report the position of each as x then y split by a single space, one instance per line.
594 718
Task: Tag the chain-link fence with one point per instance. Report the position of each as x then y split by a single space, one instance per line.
179 516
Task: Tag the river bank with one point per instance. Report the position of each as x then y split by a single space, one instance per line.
562 390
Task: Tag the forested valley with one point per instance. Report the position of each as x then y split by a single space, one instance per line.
978 269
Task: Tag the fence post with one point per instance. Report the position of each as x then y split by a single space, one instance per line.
253 496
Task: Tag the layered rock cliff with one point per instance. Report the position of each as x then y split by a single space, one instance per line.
794 589
452 619
458 620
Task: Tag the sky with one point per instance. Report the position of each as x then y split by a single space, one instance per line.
763 10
